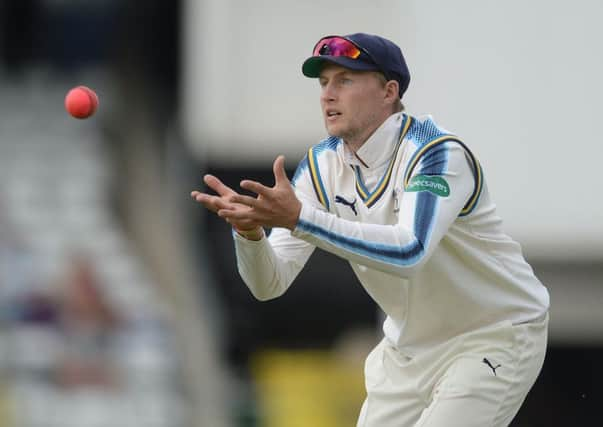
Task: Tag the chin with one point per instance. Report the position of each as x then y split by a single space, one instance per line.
334 131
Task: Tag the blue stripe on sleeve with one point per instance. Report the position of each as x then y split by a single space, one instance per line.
434 162
390 254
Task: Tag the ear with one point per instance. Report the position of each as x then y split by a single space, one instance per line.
391 91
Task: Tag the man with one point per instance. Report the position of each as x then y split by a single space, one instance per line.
407 204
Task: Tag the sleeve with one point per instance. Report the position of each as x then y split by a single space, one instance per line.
436 193
269 266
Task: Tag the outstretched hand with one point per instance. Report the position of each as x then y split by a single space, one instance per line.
223 200
275 206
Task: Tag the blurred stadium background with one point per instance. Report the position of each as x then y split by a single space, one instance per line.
120 304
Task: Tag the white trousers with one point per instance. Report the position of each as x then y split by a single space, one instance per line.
478 379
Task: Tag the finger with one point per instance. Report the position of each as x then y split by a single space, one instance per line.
202 197
279 170
217 185
213 203
237 215
256 187
197 193
208 204
220 203
252 202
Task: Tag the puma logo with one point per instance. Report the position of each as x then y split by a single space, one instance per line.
351 205
494 368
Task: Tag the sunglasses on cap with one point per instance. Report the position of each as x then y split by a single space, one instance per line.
340 46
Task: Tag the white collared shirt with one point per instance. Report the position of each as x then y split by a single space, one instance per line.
373 156
418 227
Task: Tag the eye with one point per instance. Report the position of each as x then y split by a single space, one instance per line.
346 81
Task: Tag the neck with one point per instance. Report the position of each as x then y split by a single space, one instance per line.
357 139
354 142
354 147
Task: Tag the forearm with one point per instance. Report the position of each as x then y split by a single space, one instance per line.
393 249
269 266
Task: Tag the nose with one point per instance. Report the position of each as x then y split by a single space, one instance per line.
327 92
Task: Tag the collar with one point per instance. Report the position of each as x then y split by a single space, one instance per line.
378 149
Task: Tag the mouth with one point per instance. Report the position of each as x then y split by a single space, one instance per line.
332 115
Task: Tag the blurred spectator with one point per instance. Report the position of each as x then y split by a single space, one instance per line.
88 324
66 333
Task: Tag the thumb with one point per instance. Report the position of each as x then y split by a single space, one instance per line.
279 170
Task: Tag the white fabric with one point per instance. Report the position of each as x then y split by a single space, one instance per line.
430 250
478 379
461 273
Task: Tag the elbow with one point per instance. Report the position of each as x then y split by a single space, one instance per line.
410 269
263 290
262 295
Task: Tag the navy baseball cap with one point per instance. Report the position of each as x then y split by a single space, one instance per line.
360 52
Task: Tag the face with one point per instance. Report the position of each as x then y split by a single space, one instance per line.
354 103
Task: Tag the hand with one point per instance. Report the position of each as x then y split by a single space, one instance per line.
224 200
273 207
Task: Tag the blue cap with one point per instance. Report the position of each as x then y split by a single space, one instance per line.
383 56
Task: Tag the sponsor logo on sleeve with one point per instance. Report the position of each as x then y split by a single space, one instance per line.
434 184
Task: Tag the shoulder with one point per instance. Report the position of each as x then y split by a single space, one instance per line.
314 168
425 139
426 142
329 144
433 150
317 154
424 129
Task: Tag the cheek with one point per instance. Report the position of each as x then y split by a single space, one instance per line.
364 107
357 104
374 104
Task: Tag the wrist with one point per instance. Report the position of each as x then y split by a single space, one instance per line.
253 234
295 218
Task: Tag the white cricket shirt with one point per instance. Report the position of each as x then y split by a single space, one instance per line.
415 220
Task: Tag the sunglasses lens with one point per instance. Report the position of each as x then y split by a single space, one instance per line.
336 46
